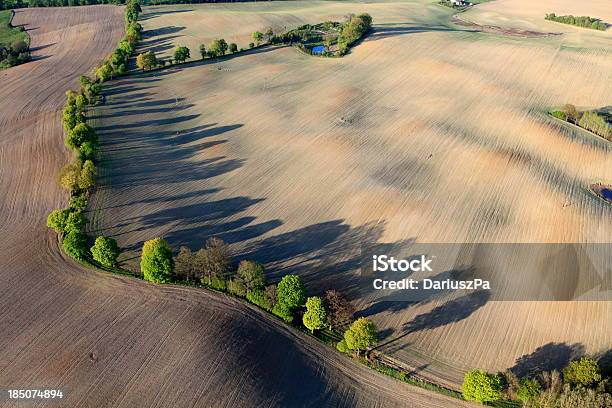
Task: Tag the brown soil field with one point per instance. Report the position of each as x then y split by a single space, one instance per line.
110 341
426 131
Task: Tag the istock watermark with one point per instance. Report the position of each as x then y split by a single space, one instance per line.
416 272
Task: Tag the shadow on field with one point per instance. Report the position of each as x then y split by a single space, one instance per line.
154 14
380 31
551 356
450 312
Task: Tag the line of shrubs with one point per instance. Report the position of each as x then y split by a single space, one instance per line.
79 176
592 121
580 21
117 63
579 384
211 267
217 48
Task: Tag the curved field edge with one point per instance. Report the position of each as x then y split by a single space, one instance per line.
107 340
237 121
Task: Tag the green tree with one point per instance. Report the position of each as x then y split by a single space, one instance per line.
75 245
104 72
257 37
69 175
80 134
75 222
203 51
71 116
481 386
233 48
87 176
87 151
252 275
528 390
360 335
290 295
315 317
583 372
105 251
146 60
259 298
156 261
218 47
181 54
341 346
81 102
78 202
57 220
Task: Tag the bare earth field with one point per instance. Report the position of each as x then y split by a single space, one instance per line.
109 341
426 131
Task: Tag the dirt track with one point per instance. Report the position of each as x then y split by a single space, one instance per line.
115 342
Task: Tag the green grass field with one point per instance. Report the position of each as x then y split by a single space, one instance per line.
9 34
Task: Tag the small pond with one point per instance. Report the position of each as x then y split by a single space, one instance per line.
318 49
607 193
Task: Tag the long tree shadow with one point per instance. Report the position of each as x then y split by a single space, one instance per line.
380 31
153 144
551 356
450 312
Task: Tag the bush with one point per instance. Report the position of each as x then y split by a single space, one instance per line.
80 134
19 47
559 115
87 177
583 372
481 386
259 298
235 287
156 261
528 390
342 347
75 221
281 310
218 284
87 151
71 116
233 48
57 220
360 335
75 245
105 251
78 202
315 317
